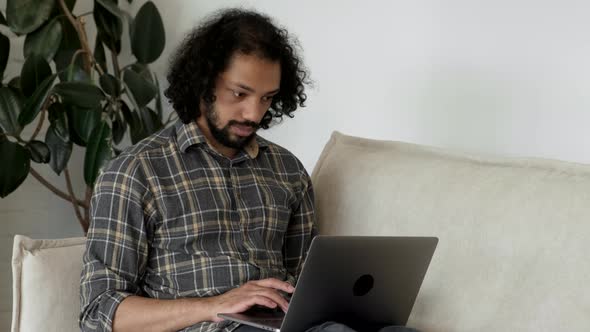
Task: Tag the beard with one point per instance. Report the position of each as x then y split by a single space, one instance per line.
223 135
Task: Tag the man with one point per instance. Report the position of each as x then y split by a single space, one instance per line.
205 216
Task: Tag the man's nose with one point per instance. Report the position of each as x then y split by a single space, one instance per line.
254 110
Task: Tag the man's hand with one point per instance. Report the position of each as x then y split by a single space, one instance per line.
259 292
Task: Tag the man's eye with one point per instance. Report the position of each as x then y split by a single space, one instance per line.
238 94
267 98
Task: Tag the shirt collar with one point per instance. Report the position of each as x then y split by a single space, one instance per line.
190 134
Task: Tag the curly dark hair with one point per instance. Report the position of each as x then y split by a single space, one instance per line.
205 53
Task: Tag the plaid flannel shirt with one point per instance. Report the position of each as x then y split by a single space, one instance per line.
172 218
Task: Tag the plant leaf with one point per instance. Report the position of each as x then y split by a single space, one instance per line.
136 131
74 137
70 72
24 16
15 84
150 120
98 152
148 36
34 71
10 108
112 7
3 19
109 26
143 70
70 4
67 48
58 119
99 54
60 149
113 46
110 84
44 41
119 127
84 121
142 91
39 152
70 40
4 53
81 94
35 102
15 168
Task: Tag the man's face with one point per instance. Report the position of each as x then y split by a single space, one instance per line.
243 94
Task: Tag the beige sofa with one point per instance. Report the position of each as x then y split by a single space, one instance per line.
513 237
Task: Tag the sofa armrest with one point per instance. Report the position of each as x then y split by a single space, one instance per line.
46 279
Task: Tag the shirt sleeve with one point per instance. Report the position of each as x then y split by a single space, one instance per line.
300 232
116 245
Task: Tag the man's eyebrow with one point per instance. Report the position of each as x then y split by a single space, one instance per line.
249 89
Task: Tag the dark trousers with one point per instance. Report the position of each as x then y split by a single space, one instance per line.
332 327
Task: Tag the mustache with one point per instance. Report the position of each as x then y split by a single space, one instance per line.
251 124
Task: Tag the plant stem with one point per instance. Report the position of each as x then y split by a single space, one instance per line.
113 105
100 70
50 99
73 199
39 124
116 67
81 35
84 40
75 56
78 25
53 189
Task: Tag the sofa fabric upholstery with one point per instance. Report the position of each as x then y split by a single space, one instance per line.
513 233
513 237
46 284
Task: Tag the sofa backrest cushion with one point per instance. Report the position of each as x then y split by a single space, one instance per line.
513 234
46 284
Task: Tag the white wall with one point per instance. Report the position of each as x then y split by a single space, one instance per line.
491 76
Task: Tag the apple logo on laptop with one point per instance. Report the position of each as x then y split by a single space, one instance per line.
363 285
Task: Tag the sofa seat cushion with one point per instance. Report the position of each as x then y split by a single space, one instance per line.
514 233
46 284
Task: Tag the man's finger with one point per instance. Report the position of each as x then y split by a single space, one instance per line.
263 301
274 296
276 284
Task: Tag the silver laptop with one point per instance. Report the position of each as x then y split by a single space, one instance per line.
363 282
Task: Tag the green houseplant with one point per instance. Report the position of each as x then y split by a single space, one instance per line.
87 97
